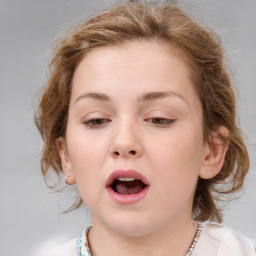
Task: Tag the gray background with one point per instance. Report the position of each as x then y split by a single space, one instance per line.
29 212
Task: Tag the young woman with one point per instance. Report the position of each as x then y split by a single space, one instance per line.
139 112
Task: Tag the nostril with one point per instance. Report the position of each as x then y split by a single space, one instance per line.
132 152
116 153
124 153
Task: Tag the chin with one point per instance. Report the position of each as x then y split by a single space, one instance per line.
131 225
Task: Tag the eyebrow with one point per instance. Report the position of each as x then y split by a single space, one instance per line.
158 95
147 96
93 95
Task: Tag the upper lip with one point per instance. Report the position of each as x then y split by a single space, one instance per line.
120 173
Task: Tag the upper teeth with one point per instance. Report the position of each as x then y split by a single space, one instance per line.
126 179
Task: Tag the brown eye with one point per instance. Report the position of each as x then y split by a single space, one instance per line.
160 121
97 122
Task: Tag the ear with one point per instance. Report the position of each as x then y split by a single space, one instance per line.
65 161
215 152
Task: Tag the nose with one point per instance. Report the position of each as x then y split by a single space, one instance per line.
126 143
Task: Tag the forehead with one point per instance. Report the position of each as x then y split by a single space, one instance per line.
133 67
141 53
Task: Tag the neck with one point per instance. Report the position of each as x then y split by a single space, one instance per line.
174 239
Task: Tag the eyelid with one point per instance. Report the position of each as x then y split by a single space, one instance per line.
160 118
160 114
89 123
95 115
159 121
89 118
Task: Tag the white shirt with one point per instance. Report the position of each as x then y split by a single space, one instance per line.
218 240
215 240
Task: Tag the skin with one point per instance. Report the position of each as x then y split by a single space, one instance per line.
160 137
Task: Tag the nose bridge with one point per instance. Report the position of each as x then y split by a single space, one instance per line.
125 129
126 140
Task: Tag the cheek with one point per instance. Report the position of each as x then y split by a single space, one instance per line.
177 156
176 167
86 154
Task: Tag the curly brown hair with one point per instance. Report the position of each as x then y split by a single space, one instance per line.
202 50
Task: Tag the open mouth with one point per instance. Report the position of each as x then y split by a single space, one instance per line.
127 186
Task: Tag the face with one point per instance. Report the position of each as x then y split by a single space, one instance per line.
134 140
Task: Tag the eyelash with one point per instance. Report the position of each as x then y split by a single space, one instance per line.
94 123
157 121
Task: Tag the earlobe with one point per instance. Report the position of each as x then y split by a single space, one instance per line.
65 161
215 152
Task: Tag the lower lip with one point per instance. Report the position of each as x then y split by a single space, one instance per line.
127 199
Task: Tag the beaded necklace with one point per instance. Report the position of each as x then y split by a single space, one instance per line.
84 250
193 244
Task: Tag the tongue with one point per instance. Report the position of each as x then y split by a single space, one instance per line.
129 187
